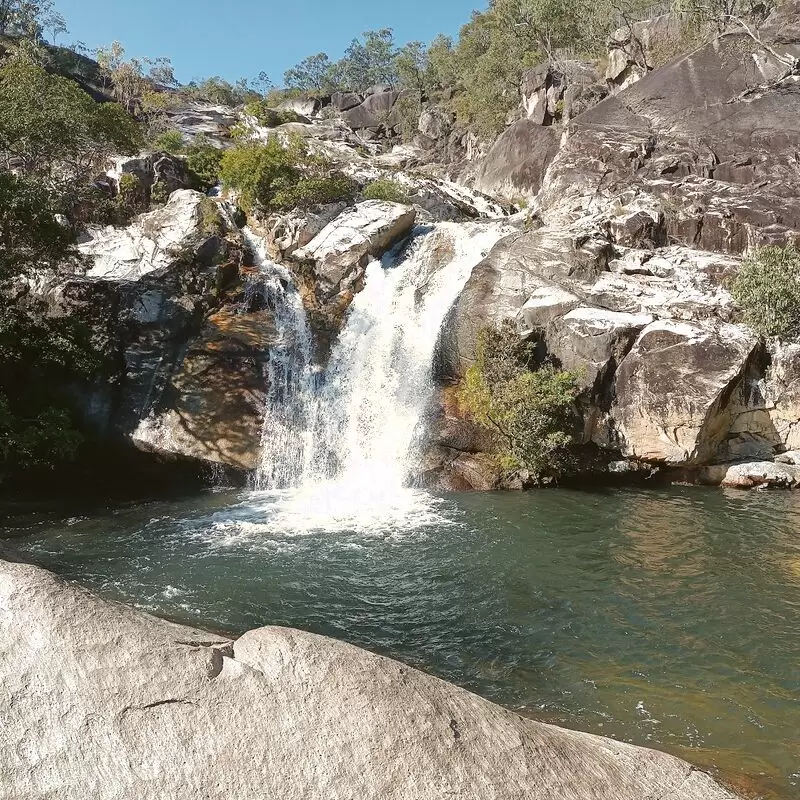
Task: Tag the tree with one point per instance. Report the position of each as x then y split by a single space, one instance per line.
412 67
54 22
371 61
312 74
272 176
37 354
767 290
22 17
441 63
52 131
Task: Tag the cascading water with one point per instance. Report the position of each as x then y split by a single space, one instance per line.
290 377
344 441
378 383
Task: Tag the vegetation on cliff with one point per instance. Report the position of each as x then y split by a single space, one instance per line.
53 139
767 290
275 176
531 411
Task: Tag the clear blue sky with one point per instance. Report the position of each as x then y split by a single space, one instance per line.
240 38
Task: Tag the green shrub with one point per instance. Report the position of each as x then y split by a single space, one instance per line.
388 190
159 195
131 198
316 191
169 142
270 117
531 412
272 176
203 161
767 290
211 223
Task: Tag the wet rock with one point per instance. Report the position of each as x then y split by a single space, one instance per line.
341 251
119 704
213 407
752 475
204 119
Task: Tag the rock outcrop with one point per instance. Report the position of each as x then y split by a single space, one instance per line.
339 253
103 701
186 346
639 221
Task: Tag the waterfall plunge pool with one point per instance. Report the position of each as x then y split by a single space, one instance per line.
665 618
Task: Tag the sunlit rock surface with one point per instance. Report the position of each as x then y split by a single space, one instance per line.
102 701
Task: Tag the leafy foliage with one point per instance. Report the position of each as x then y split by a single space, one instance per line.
270 117
204 161
170 141
52 131
532 412
767 290
273 176
30 232
388 190
38 355
312 74
54 138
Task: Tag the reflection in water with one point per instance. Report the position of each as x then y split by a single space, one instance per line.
666 618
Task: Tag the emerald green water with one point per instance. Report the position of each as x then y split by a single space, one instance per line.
665 618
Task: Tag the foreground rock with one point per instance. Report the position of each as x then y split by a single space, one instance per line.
102 701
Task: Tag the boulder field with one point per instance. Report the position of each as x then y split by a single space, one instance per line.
106 702
642 207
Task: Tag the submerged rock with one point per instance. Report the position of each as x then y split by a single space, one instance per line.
103 701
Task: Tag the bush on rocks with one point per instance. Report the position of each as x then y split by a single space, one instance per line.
531 411
767 290
388 190
272 176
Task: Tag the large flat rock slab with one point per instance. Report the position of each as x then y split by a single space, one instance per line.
101 701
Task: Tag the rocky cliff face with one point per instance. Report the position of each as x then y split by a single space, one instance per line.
644 191
107 702
647 203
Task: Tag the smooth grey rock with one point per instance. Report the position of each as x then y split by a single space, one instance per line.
671 391
515 165
344 101
591 341
105 702
435 122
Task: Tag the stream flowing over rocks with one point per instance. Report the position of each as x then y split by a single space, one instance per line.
108 702
645 191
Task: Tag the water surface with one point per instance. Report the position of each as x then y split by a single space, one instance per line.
665 618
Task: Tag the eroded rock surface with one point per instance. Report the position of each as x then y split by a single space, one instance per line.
103 701
340 251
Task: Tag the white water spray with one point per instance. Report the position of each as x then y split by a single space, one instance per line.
291 381
346 441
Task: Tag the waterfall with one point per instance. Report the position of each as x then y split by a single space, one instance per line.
348 437
378 384
291 383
